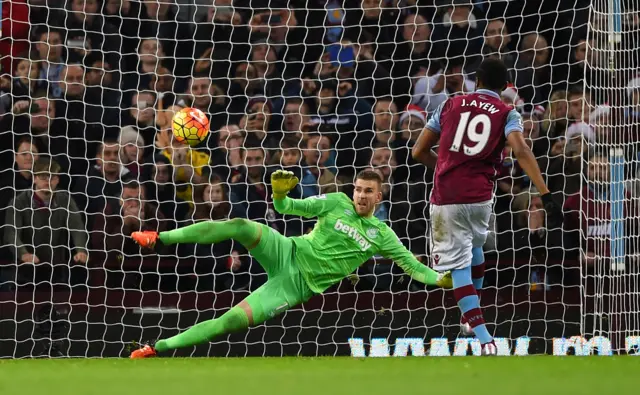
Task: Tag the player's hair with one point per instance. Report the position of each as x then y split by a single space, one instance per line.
252 143
23 140
289 142
46 166
499 19
370 175
110 141
493 74
131 184
45 30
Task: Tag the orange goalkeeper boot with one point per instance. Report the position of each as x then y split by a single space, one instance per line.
145 352
145 238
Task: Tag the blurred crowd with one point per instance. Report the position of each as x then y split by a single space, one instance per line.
321 88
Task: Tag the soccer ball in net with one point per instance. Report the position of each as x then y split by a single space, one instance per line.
190 126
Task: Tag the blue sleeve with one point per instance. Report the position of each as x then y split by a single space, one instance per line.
434 122
514 123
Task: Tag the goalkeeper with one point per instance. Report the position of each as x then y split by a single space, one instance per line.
346 235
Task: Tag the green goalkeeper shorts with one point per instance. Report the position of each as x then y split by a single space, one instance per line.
286 287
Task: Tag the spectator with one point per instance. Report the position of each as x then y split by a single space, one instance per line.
371 25
164 116
226 158
151 57
511 98
160 191
111 229
251 188
532 69
131 150
579 104
87 32
36 119
385 117
318 177
565 161
385 113
497 40
587 222
296 115
356 65
19 178
410 59
102 90
257 120
556 115
431 91
103 181
281 28
190 168
383 161
38 221
164 84
208 97
83 120
578 59
25 78
333 112
403 205
49 46
221 29
141 114
289 156
245 84
527 237
410 125
158 20
457 32
215 203
632 113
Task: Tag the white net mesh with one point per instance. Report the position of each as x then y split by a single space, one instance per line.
322 88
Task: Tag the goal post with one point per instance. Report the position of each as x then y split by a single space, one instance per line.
322 88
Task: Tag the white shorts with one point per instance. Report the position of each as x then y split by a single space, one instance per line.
455 230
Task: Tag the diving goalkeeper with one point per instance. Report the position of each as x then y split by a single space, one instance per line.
346 235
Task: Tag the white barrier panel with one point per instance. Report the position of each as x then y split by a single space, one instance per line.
583 346
632 344
439 346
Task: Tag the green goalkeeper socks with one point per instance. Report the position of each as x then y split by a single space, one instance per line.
210 232
232 321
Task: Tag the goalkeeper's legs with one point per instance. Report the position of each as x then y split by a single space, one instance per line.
247 233
285 288
276 296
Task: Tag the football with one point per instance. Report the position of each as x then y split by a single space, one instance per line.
190 126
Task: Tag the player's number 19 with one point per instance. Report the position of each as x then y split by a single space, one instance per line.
470 128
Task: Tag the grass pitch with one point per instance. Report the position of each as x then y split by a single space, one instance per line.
326 376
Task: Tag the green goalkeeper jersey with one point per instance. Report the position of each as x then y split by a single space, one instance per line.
342 240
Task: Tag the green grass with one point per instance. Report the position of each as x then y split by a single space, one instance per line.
328 376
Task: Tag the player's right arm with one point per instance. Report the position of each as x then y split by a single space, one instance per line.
422 151
526 159
282 182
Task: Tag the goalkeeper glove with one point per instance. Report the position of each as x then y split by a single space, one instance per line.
282 182
554 211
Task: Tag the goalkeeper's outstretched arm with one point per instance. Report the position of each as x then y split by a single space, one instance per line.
282 182
393 249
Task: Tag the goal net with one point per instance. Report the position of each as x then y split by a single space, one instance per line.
324 89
